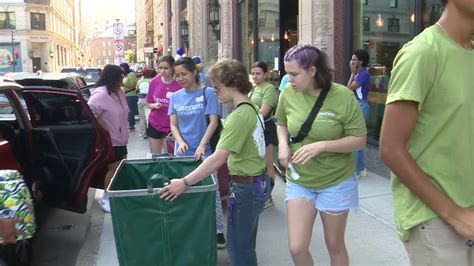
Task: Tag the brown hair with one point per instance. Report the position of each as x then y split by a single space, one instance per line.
231 73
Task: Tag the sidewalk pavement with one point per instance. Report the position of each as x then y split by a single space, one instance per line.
370 235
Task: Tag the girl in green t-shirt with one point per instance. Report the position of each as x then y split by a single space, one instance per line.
326 181
242 145
265 97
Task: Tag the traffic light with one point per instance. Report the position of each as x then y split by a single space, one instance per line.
15 53
155 50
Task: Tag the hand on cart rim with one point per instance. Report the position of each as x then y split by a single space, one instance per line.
173 189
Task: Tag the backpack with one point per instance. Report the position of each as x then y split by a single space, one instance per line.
217 133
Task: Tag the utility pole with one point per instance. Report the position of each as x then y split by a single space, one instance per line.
13 51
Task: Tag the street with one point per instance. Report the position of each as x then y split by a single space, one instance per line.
82 240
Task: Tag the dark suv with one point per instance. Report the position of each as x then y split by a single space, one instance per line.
49 134
90 74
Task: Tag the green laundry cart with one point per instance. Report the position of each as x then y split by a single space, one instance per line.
151 231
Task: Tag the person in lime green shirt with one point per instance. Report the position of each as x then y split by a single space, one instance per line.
242 145
326 180
265 97
130 87
426 140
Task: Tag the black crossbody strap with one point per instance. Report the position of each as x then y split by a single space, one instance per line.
253 107
204 95
306 126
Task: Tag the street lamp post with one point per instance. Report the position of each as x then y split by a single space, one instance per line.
13 50
214 9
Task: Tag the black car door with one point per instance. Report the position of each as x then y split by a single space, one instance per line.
68 146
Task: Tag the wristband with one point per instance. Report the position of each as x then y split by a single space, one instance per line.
185 182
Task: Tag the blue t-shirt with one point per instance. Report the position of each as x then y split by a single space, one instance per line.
363 79
283 82
191 110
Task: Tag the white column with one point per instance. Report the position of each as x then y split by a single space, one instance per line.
316 25
175 30
226 44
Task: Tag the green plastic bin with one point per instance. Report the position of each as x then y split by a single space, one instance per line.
152 231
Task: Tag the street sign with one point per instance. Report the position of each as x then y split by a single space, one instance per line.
117 29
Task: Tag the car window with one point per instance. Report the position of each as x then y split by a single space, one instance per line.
92 75
6 108
57 109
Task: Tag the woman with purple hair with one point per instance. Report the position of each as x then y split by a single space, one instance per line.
321 169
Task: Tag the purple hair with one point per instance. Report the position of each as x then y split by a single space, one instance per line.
307 56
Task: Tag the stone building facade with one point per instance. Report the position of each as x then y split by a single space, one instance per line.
44 34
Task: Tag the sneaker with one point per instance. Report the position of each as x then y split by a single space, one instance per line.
269 203
143 136
220 241
105 204
130 129
362 173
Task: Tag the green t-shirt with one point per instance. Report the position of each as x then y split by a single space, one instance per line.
243 137
438 74
130 84
340 116
265 93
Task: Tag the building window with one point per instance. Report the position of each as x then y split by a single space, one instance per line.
262 19
7 20
38 21
381 34
103 43
393 25
366 23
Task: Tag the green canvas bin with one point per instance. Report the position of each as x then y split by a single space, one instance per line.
151 231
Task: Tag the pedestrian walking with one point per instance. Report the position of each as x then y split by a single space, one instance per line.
190 110
359 82
109 105
321 168
242 145
264 95
130 88
158 99
202 71
426 140
143 85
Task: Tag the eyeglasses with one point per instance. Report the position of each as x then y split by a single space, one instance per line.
181 75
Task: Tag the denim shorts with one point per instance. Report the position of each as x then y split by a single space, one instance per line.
340 197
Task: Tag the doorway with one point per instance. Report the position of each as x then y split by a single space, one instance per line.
36 64
288 28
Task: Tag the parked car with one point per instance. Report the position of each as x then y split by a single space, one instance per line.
90 74
71 81
50 135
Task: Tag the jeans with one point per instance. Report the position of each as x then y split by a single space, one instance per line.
359 154
142 105
244 204
133 107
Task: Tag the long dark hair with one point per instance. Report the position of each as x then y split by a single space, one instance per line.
307 56
189 65
110 77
